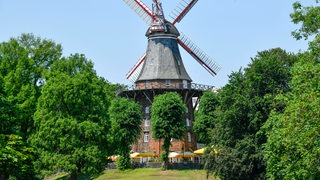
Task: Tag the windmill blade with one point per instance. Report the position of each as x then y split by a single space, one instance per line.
208 63
181 10
141 9
133 74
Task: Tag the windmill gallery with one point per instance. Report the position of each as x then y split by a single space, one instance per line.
161 70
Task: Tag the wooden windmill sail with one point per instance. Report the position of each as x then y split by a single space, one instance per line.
164 32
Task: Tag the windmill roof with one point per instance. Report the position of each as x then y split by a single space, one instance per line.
163 59
171 29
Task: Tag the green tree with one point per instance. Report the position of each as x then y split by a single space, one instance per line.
245 104
126 118
23 61
16 158
292 148
308 17
205 117
72 121
167 118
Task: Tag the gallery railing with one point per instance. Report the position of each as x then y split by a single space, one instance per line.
191 86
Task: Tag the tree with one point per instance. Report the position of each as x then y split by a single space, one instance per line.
72 121
293 135
205 117
245 104
23 61
292 148
167 118
309 17
126 118
16 158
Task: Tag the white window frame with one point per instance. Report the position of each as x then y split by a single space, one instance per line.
146 137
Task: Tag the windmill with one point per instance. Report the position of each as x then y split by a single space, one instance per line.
161 70
158 23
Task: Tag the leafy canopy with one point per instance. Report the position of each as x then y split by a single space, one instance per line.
292 148
126 118
205 119
72 121
243 107
168 120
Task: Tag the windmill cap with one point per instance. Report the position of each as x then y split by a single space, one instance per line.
157 29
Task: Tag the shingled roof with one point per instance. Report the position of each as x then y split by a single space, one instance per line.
163 59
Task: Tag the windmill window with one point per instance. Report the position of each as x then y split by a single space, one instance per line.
147 122
189 137
147 110
185 84
148 83
168 82
188 122
146 137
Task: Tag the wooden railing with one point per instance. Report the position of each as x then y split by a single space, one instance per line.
191 86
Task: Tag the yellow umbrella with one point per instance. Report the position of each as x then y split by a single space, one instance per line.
134 155
147 154
199 151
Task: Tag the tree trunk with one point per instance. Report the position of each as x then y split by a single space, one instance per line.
166 146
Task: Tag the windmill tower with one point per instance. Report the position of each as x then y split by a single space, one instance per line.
161 70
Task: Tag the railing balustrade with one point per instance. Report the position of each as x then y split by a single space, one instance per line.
191 86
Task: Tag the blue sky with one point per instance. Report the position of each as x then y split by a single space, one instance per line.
111 35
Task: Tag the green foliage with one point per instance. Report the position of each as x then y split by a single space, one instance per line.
123 163
292 149
16 158
205 117
8 114
168 114
71 120
308 17
126 119
244 106
23 61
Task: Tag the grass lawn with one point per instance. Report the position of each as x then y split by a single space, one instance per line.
154 174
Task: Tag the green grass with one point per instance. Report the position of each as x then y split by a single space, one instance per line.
154 174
